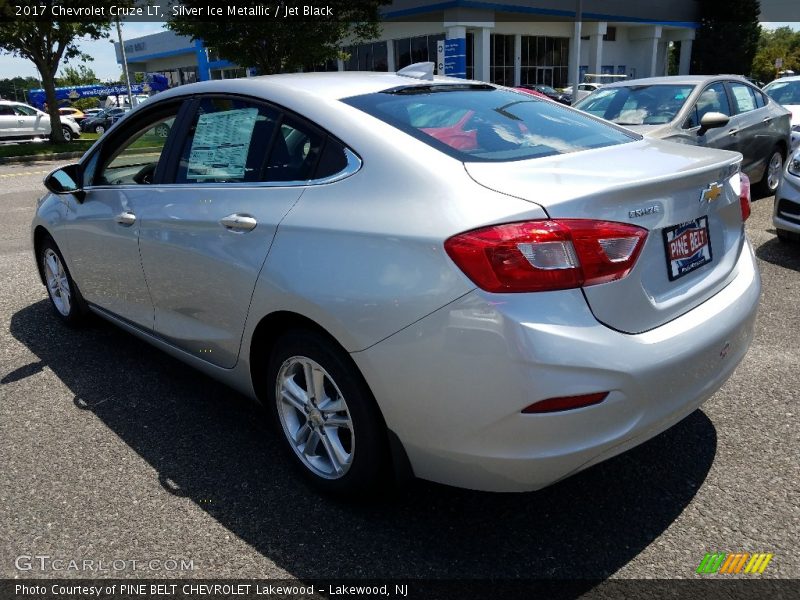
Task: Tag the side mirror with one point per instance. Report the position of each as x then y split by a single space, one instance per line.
712 120
66 180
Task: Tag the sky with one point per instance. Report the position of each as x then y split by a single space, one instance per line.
105 61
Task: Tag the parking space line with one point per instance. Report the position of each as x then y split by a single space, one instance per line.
6 175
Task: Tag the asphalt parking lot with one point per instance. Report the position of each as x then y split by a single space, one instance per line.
110 450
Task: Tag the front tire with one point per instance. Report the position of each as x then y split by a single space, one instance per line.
99 129
787 236
65 298
331 424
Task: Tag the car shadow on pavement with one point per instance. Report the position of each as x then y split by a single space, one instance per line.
782 254
214 446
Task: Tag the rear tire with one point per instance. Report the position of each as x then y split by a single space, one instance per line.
99 129
772 174
65 298
67 133
331 425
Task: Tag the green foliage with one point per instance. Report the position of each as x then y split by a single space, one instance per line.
783 43
46 42
80 75
280 45
84 103
728 37
16 87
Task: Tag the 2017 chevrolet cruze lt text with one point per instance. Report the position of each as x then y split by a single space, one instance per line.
487 289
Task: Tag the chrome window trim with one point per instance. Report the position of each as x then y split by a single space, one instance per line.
354 164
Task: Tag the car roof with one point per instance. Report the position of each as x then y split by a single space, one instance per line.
333 85
782 79
676 80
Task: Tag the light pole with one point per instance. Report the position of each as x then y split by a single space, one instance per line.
575 59
125 64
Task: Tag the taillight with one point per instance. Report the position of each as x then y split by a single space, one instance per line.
744 196
535 256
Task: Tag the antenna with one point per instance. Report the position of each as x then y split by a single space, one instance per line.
420 70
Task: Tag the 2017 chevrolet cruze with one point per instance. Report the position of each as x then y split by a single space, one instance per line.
495 309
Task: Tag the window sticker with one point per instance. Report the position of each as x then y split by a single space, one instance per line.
221 144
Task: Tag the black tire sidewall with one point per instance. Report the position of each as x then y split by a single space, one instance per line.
370 467
67 133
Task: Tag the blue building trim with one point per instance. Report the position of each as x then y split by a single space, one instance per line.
203 70
528 10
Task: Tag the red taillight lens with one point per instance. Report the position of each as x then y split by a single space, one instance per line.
744 196
565 403
535 256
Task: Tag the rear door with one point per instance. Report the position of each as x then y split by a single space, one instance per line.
754 135
241 167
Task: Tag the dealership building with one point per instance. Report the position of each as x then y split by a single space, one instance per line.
510 42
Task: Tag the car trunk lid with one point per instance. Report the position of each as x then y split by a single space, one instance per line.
686 197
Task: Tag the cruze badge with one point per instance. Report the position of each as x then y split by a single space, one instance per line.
711 193
641 212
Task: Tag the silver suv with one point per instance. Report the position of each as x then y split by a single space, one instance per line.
20 122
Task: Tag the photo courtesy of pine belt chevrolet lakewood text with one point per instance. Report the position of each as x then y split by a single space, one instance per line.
417 275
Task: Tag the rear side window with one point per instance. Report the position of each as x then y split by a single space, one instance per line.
744 97
295 153
482 123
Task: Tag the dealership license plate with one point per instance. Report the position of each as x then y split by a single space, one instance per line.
688 247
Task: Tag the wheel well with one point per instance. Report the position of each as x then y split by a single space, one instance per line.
267 333
781 145
39 235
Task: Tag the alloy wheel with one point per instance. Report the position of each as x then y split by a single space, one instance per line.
774 171
57 282
315 417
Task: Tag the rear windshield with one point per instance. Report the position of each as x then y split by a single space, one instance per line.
637 105
483 123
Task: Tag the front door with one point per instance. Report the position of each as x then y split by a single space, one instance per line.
104 236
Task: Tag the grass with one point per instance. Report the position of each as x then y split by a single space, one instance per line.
46 148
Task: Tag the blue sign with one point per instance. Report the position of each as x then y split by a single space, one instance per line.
455 57
154 82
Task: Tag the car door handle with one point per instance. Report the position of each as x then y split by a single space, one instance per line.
126 218
767 119
239 223
733 132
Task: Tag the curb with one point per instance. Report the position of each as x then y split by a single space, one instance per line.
10 160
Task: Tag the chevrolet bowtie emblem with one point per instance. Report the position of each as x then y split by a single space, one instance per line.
711 193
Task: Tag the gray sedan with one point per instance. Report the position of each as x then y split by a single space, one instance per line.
723 111
417 275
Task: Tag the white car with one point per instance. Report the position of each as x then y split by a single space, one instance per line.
22 122
786 91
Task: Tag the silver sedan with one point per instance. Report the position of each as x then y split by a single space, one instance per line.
417 275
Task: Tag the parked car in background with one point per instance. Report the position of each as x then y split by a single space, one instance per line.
101 121
722 111
23 122
786 211
90 112
548 91
74 113
495 316
786 92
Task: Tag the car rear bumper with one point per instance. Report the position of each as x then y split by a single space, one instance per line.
452 385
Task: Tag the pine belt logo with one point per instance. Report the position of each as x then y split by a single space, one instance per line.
728 564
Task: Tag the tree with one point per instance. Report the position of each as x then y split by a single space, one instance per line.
276 45
728 37
80 75
16 87
45 41
782 43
